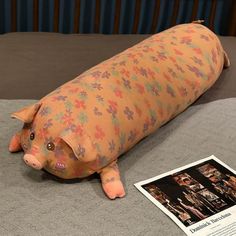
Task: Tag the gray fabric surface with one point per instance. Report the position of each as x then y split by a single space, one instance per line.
34 203
34 64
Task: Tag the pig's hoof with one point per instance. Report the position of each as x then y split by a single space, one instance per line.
114 189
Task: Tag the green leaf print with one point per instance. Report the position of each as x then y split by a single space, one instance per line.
115 73
83 118
68 105
59 116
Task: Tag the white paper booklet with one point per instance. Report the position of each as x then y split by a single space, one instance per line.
200 197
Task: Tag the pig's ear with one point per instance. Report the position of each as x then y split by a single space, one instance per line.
81 145
15 145
27 114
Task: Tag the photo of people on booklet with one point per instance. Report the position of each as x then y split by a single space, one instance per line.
194 193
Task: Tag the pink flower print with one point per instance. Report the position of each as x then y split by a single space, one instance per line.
97 86
118 92
167 77
190 31
79 130
113 104
173 59
111 111
197 50
190 83
204 37
112 108
75 129
117 130
129 114
96 111
99 134
136 70
67 119
183 91
138 111
140 88
214 56
80 104
151 73
186 40
193 84
125 72
178 52
106 75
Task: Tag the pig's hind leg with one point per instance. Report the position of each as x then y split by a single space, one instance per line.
111 183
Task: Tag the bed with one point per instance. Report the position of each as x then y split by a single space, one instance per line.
36 203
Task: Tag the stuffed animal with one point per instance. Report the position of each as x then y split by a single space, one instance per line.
86 124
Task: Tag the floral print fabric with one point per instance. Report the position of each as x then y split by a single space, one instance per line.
106 110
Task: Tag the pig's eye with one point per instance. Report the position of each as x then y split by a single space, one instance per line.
50 146
32 135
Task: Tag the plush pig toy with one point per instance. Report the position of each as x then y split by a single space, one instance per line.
86 124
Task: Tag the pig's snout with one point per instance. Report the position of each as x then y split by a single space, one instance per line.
32 161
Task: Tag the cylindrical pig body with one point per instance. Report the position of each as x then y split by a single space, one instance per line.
127 97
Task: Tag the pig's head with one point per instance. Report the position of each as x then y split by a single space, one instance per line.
53 142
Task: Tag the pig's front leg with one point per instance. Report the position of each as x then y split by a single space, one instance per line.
111 182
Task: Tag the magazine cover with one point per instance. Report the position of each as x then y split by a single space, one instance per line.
200 197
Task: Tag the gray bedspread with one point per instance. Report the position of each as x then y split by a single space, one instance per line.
34 203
